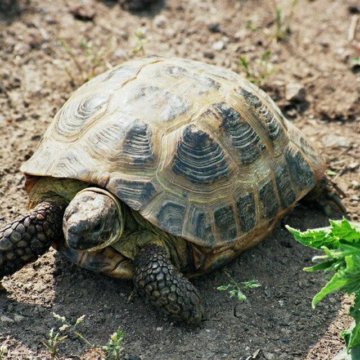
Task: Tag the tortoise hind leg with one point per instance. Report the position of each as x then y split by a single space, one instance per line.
327 196
156 278
28 237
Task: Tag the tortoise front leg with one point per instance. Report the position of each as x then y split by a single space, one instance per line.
28 237
156 278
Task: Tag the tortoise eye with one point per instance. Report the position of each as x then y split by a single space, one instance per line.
97 227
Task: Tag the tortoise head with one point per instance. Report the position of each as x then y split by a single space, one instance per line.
92 220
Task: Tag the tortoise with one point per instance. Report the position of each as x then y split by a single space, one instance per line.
159 170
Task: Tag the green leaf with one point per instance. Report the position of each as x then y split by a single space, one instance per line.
244 62
223 287
326 265
347 280
251 284
345 230
337 282
340 244
314 238
233 293
352 335
241 296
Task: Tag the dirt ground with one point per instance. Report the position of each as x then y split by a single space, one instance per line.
48 48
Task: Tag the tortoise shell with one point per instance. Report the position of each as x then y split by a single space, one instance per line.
197 150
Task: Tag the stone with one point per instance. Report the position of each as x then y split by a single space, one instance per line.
160 21
295 92
18 318
333 140
83 11
214 27
355 185
268 355
218 45
209 54
6 319
342 355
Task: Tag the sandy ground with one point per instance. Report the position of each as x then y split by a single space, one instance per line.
48 48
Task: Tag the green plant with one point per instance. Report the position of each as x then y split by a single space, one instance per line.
258 70
3 352
250 25
282 22
57 337
235 289
356 60
140 41
114 346
66 328
84 64
53 341
340 243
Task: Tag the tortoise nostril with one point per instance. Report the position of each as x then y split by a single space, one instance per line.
73 229
73 239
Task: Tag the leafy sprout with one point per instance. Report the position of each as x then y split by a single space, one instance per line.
3 352
257 70
114 346
235 289
282 22
340 243
59 335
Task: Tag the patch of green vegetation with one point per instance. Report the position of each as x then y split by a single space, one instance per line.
114 346
140 41
283 22
340 243
84 64
3 352
58 336
235 289
355 60
256 71
250 25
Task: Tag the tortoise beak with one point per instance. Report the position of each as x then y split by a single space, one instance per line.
106 261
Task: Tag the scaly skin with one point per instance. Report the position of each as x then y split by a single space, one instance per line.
30 236
164 286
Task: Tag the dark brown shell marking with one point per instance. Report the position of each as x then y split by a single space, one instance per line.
199 158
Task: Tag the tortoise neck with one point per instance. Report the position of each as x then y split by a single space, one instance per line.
52 189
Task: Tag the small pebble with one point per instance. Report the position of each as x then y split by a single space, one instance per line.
84 11
295 92
6 319
209 54
160 21
355 185
354 9
214 27
241 34
332 140
354 198
218 45
18 318
268 356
